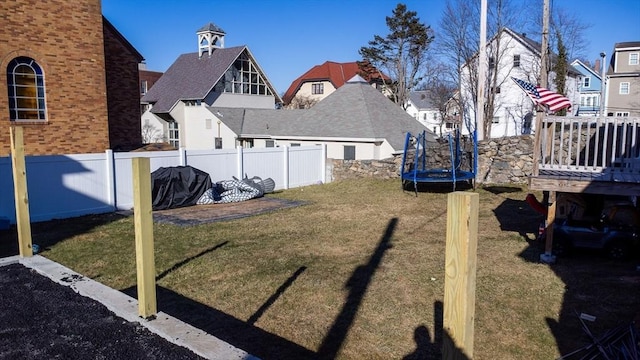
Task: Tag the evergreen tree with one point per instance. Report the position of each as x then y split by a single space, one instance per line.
561 69
401 53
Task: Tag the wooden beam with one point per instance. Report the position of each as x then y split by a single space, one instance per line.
584 186
23 221
548 256
460 275
143 221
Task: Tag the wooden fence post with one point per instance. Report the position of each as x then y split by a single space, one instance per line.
460 275
143 221
23 222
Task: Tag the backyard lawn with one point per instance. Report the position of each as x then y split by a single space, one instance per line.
357 272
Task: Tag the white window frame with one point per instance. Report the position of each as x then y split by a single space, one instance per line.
622 114
624 88
634 58
317 88
516 60
173 131
25 106
586 82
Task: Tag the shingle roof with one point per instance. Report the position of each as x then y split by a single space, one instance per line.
211 27
421 99
628 44
334 72
356 110
190 77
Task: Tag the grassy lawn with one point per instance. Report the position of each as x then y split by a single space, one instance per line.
357 273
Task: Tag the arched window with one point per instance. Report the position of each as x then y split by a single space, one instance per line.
25 82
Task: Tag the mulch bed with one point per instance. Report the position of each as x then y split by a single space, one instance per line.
202 214
41 319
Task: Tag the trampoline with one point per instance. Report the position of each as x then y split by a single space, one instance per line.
415 167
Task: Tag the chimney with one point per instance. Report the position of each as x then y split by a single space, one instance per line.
596 66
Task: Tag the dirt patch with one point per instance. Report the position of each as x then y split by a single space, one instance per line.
202 214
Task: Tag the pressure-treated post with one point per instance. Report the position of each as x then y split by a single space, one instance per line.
21 197
143 220
460 275
548 257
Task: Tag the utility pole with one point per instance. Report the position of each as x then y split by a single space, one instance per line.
482 74
549 197
544 51
603 92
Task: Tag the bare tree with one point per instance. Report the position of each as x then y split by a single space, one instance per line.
302 102
151 134
567 25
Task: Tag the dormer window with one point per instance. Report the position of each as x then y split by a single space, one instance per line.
317 88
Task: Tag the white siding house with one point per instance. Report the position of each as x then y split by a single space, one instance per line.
512 55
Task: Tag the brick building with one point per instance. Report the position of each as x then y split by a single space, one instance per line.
70 79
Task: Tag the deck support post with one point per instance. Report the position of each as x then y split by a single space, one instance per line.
547 257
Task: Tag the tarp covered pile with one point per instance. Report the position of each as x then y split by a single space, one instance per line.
181 186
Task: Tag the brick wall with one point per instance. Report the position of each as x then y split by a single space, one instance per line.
123 91
66 39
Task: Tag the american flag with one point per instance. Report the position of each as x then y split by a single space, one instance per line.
543 96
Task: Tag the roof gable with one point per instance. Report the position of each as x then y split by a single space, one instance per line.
334 72
108 25
421 99
193 77
583 68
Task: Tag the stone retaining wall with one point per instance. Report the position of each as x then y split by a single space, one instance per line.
506 160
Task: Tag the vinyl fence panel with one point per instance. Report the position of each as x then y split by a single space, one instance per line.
62 186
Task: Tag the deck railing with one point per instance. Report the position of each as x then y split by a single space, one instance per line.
597 145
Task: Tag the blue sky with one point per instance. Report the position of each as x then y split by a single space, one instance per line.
288 37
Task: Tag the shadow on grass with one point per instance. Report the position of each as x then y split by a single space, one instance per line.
357 285
272 299
594 285
517 216
432 349
189 259
48 233
225 327
260 343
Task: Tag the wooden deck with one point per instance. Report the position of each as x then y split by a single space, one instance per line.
587 155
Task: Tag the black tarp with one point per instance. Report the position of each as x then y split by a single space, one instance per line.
178 186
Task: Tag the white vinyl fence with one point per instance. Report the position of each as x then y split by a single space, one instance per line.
63 186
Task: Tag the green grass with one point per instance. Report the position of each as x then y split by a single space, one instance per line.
338 302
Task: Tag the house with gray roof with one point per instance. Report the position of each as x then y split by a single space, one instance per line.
213 76
356 122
